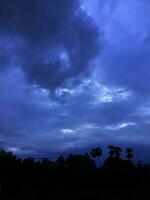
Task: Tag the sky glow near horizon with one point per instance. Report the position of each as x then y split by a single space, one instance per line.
75 77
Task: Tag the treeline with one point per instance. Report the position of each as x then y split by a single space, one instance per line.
75 176
91 160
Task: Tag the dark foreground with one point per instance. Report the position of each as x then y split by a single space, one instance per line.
74 178
73 185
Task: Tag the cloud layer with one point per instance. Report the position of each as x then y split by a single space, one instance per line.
73 74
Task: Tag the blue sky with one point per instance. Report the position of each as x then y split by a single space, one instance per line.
74 74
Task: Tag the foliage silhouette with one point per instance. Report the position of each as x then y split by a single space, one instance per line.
129 153
74 177
96 153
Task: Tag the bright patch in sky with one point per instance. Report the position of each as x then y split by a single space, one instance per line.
68 131
120 126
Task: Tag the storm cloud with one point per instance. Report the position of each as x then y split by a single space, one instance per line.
54 41
73 74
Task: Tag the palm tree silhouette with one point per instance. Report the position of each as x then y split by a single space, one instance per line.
111 151
118 151
93 153
96 152
114 152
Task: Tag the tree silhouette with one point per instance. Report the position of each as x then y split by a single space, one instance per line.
118 151
60 162
76 172
111 151
7 159
96 153
93 153
129 153
46 163
114 152
28 162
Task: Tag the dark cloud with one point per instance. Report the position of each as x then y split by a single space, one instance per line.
35 20
49 29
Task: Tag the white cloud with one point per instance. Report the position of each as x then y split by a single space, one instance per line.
106 94
97 92
119 126
88 126
13 149
68 131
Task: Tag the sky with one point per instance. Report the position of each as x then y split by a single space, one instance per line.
74 74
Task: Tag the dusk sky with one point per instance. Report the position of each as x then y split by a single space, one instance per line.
74 75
